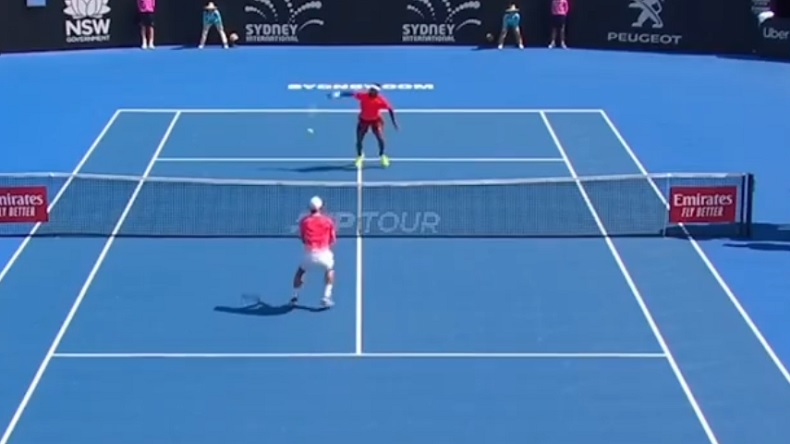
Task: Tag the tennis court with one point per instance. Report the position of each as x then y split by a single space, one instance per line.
564 335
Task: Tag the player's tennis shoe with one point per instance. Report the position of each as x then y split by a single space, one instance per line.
385 161
359 161
327 302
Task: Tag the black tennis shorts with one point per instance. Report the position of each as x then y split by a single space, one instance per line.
558 21
146 19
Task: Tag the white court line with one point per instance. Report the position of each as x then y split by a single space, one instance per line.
634 289
355 110
59 194
349 160
84 290
360 355
708 263
358 277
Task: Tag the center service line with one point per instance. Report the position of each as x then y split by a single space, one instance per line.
358 283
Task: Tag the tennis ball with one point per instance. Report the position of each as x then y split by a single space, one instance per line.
310 131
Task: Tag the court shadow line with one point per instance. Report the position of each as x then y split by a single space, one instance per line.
264 309
324 168
761 246
765 237
319 168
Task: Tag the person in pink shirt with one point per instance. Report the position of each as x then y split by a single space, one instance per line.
318 235
559 12
146 10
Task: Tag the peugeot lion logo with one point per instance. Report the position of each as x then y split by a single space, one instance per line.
280 28
650 10
434 29
638 35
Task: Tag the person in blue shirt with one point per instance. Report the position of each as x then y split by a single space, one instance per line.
511 22
212 19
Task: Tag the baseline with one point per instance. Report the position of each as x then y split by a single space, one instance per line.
354 110
404 355
367 160
701 253
84 290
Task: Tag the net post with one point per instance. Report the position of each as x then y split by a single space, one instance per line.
747 209
667 187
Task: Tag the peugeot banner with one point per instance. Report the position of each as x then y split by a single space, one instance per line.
652 25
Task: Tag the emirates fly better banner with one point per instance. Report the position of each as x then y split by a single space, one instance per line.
23 204
703 204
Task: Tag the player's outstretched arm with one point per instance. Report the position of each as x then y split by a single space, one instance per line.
339 94
392 117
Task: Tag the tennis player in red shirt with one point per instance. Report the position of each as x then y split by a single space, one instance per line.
317 231
371 103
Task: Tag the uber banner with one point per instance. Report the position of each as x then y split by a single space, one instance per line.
774 40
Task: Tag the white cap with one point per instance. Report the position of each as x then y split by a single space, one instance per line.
316 203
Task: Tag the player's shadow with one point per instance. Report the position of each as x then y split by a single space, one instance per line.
328 168
260 308
765 237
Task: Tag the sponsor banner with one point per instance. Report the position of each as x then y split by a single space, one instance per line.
441 21
384 223
87 21
360 86
283 21
774 39
703 204
760 6
23 204
71 24
652 25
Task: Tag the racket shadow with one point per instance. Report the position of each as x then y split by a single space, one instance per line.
261 308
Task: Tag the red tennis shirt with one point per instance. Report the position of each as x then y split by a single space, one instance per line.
371 107
317 231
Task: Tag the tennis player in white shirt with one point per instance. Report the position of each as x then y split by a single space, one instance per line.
318 234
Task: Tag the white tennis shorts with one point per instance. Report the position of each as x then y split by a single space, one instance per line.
321 258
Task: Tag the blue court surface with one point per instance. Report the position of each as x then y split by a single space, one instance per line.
602 340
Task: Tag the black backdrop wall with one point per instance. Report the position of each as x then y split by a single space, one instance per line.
700 26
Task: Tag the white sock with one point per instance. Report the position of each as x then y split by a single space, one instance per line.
296 294
328 291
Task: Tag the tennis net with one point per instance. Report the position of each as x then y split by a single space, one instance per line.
625 205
